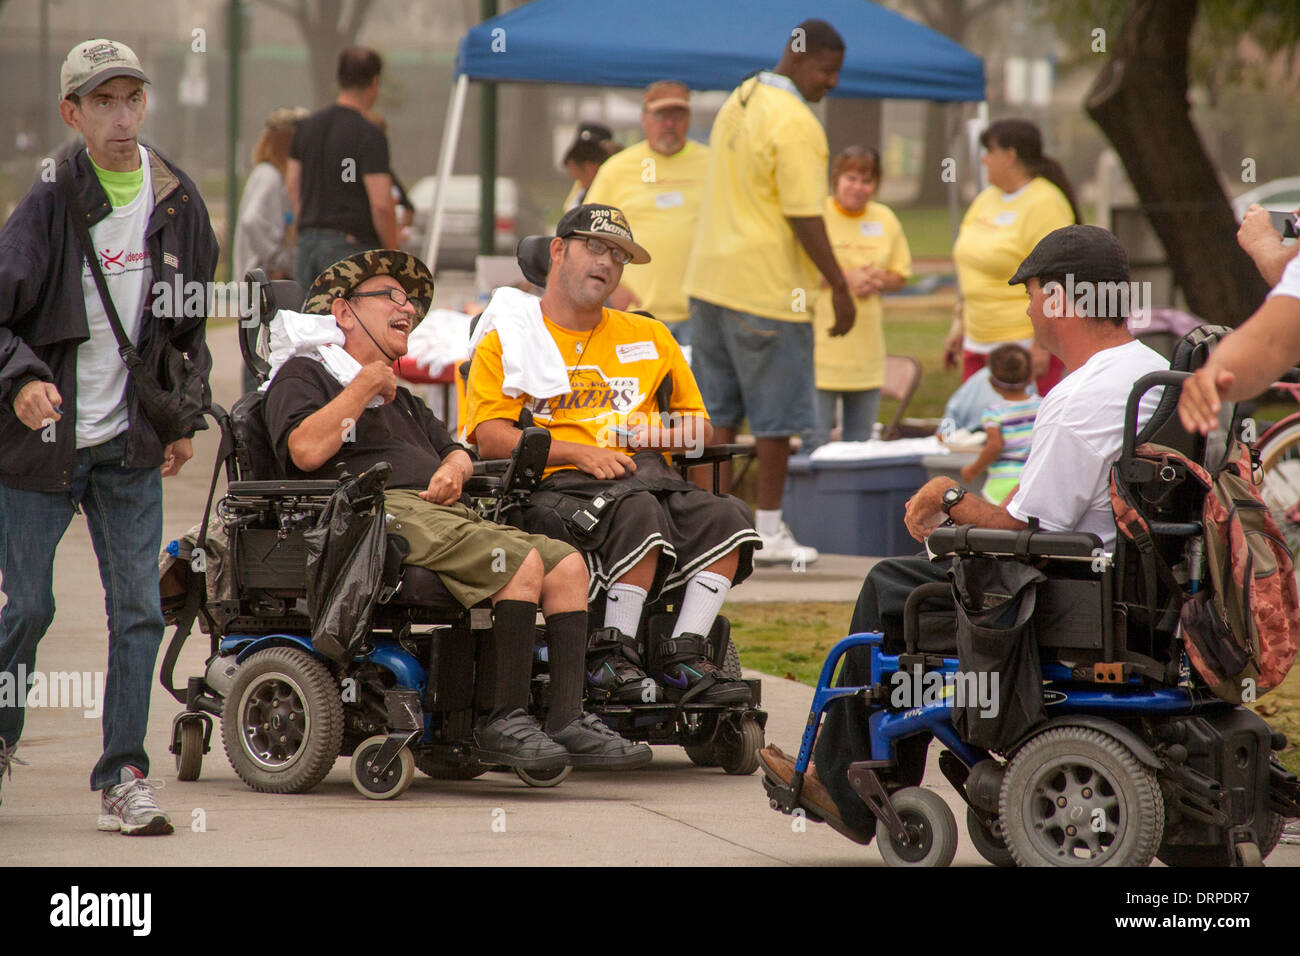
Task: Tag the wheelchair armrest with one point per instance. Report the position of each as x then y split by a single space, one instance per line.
711 453
482 486
491 466
291 488
968 539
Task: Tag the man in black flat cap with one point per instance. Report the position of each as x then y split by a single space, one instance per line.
1073 276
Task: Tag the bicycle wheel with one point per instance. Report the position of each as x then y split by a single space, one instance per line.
1279 459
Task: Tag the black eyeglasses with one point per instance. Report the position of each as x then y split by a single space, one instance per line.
397 296
598 247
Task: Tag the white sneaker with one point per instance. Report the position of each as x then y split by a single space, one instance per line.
782 548
130 807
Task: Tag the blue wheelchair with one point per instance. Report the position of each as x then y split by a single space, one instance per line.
403 699
1131 757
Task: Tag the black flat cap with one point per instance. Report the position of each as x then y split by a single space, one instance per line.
1089 253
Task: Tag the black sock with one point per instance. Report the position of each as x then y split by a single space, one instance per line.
566 641
510 664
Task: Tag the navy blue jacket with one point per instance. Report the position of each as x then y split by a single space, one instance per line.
43 311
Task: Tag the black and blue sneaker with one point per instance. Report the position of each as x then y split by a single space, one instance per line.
689 675
614 671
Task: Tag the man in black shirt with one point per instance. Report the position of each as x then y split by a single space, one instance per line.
338 176
317 422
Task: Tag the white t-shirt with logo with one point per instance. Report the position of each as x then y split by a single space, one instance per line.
1289 284
119 239
1077 436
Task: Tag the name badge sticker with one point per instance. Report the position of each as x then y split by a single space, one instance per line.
669 200
872 228
637 352
1005 218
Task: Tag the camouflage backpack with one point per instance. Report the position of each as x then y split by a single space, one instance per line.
1242 628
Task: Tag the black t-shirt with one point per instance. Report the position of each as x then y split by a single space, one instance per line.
337 147
403 432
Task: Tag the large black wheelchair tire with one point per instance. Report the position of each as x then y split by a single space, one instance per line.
432 767
298 690
988 844
1178 855
931 828
1069 768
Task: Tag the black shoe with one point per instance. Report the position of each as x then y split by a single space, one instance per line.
689 675
593 746
614 671
516 740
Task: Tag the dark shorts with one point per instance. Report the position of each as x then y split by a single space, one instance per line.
692 528
474 558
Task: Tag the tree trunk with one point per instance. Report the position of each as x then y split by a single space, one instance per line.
1140 102
933 190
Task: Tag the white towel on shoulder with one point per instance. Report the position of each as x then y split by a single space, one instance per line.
531 363
318 337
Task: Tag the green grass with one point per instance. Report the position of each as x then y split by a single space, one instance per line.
919 332
787 640
928 230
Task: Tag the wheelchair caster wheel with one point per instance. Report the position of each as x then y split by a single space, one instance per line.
543 778
189 751
392 782
931 830
737 746
990 845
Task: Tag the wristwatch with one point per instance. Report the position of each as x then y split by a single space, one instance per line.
950 498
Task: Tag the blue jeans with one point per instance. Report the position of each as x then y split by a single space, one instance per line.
860 409
123 507
318 249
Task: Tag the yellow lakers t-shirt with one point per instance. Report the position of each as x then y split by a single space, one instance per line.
856 361
996 235
615 370
660 195
768 161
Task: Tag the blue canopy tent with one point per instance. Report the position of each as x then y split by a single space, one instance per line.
708 44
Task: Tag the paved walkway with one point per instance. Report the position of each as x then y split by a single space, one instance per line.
671 812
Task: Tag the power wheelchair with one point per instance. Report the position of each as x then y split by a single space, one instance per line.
728 736
1134 758
404 700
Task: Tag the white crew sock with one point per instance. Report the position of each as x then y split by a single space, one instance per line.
768 523
705 593
623 604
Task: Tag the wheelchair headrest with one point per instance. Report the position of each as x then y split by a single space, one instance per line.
534 256
269 297
1164 428
253 449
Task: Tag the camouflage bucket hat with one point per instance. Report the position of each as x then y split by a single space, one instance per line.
345 275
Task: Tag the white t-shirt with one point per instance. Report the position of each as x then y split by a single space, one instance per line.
1077 437
124 260
1289 284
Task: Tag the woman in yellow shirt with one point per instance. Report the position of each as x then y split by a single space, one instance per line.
1028 197
870 247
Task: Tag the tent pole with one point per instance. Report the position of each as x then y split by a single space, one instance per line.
450 137
487 154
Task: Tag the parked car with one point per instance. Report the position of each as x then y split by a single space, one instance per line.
459 243
1281 195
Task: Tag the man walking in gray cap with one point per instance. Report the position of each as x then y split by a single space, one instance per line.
71 426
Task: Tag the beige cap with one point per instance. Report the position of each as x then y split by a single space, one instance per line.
94 62
666 94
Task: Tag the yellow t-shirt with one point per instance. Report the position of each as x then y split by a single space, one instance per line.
768 161
614 371
995 237
660 195
574 198
856 361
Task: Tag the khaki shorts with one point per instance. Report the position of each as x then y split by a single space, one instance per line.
473 557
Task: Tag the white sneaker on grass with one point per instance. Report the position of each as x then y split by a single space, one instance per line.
782 548
131 808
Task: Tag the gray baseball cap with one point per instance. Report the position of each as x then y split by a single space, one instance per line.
94 62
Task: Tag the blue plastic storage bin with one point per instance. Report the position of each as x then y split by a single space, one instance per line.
852 507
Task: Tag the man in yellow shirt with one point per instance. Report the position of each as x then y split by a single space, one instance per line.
752 277
658 183
609 490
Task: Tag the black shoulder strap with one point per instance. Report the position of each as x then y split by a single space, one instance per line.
78 216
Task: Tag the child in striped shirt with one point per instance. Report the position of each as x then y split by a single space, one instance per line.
1008 423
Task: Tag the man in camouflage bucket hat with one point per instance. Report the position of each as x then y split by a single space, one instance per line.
317 426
